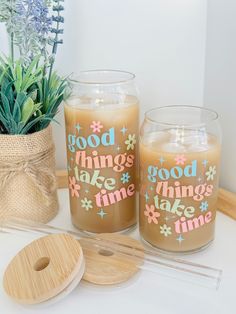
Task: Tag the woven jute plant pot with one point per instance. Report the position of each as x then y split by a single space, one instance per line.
27 176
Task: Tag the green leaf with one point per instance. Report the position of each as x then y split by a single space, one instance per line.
27 110
4 83
9 93
31 124
28 100
6 105
30 68
17 112
21 98
13 127
31 80
2 111
3 119
18 76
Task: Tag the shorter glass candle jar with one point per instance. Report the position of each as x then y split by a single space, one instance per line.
102 121
179 171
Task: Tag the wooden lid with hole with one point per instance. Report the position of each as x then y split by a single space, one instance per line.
43 269
105 266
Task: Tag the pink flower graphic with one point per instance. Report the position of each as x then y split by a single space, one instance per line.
74 187
96 126
180 159
151 214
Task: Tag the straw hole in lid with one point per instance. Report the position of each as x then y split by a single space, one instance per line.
105 252
41 263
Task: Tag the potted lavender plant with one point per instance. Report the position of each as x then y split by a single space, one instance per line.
30 94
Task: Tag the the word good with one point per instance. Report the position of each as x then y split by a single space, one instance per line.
155 174
93 140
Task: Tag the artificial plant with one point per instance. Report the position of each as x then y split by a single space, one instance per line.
30 90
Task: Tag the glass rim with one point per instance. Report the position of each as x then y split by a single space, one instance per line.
74 77
148 115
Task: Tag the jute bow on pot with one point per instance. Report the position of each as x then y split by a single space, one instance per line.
36 168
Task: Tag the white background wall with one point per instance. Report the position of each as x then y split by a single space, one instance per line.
161 41
220 79
3 40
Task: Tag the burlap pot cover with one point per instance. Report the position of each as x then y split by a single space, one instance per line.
27 176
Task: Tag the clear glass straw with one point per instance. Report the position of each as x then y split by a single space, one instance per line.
146 258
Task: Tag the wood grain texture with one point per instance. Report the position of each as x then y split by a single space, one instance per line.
43 269
62 179
226 200
227 203
107 266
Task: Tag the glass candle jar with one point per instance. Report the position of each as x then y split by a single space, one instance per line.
102 121
179 172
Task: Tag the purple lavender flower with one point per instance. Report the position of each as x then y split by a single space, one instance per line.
32 24
35 12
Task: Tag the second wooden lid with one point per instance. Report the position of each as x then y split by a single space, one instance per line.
111 262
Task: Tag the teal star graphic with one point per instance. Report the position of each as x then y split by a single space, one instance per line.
123 130
146 196
101 213
78 127
180 239
161 160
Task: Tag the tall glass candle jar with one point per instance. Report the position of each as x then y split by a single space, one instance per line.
179 171
102 120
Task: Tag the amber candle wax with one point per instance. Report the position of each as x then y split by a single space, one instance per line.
179 170
102 152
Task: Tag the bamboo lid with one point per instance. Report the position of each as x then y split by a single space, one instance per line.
44 269
107 266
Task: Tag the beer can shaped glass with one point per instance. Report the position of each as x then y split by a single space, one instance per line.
102 120
179 172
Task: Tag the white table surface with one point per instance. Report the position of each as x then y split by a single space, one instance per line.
147 292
